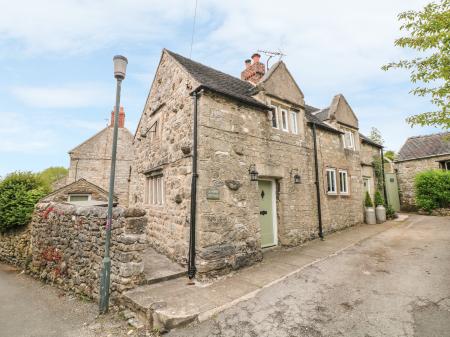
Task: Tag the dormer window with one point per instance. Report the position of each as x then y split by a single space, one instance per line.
349 141
284 120
275 117
294 122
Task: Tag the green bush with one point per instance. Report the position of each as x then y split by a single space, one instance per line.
432 189
390 212
378 199
368 200
52 174
19 192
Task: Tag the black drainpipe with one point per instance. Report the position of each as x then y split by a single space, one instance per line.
384 178
191 263
316 166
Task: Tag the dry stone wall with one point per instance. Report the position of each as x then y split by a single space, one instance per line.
15 247
68 246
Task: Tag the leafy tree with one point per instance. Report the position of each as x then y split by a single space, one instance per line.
428 32
389 155
375 135
52 174
19 192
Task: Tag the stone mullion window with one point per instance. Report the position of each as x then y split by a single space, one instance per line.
284 120
154 189
343 182
331 181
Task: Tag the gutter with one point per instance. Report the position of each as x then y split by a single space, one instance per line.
191 259
317 182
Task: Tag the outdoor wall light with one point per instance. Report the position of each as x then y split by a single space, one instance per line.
253 173
297 178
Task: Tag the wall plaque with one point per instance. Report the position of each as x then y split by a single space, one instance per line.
212 194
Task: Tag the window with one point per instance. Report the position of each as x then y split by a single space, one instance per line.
154 189
331 181
284 120
349 142
275 117
366 185
79 197
343 182
294 123
445 165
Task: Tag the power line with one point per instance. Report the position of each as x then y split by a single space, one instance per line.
193 28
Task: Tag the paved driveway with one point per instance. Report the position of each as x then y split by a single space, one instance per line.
394 284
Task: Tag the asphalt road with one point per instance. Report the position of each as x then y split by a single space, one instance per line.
394 284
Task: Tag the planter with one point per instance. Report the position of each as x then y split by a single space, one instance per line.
380 213
369 215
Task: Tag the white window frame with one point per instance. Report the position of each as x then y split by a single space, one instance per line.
154 190
331 173
294 122
343 173
351 138
79 195
275 117
284 118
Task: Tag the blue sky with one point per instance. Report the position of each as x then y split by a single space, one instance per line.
57 87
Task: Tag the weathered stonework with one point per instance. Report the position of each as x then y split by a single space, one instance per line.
15 247
91 160
231 138
81 186
406 172
68 246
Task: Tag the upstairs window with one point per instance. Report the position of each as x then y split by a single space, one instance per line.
294 122
284 120
349 141
154 189
275 117
343 182
331 181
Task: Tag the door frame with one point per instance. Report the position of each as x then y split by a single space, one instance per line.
274 212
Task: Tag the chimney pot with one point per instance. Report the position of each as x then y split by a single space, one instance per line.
256 57
248 63
253 71
121 117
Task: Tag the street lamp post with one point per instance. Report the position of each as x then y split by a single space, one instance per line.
120 67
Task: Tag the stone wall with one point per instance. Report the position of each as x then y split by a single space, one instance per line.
166 147
15 247
406 172
91 160
68 246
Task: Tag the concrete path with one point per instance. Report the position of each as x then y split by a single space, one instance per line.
175 303
393 283
29 308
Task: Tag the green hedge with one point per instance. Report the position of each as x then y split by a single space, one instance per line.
19 192
432 189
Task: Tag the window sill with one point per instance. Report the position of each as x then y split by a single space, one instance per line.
332 193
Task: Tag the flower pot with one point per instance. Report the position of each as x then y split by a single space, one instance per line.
369 215
380 213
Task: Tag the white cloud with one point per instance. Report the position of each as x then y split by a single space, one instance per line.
70 96
73 26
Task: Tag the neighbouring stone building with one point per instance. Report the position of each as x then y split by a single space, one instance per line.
419 154
256 163
91 160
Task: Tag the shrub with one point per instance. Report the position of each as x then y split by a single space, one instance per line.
378 199
52 174
19 192
390 212
368 200
432 189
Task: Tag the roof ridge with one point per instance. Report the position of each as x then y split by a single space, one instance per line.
430 135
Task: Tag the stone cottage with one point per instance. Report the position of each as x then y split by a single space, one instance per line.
226 167
91 161
419 154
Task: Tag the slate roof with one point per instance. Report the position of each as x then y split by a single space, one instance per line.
425 146
233 87
369 141
218 81
322 114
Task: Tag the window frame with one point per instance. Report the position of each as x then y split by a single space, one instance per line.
294 122
284 113
79 195
275 117
154 190
334 190
345 173
351 138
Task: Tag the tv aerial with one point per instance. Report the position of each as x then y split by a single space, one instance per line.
271 54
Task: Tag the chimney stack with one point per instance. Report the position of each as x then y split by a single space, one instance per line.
121 117
254 70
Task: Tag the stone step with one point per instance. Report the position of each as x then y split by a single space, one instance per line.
164 278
